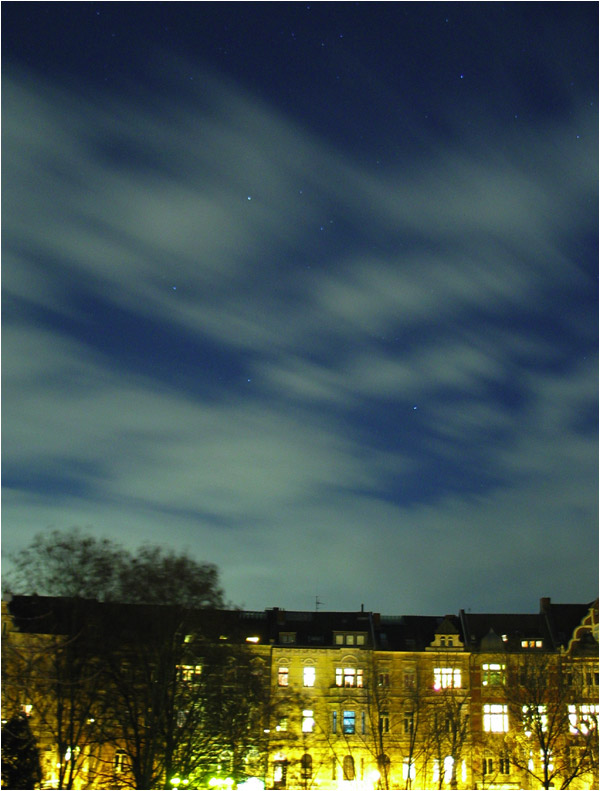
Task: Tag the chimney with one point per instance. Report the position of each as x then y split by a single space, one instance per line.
545 604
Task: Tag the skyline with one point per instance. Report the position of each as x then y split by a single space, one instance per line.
309 290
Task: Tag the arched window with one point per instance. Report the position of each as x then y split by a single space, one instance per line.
306 766
348 767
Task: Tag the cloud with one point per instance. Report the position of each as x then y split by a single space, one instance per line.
221 333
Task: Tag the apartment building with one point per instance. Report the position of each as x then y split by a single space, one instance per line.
361 700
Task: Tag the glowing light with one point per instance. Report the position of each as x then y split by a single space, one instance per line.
252 639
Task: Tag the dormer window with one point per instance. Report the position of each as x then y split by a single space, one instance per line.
349 638
531 643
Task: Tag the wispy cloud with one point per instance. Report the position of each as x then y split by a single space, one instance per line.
218 326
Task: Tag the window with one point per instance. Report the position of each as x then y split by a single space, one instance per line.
384 722
308 722
535 719
408 770
349 639
363 722
348 677
446 678
409 721
348 767
495 718
493 674
488 766
349 722
334 722
280 772
306 766
582 719
309 676
189 673
283 677
120 760
287 637
591 678
531 643
504 764
282 725
383 680
410 675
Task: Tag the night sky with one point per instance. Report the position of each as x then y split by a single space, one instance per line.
309 290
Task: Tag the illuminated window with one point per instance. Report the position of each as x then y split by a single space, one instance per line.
283 678
189 673
308 721
253 639
352 638
531 643
535 719
495 718
309 676
583 719
349 722
282 725
446 678
493 674
26 709
408 770
348 677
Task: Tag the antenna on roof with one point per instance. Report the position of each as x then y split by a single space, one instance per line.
318 603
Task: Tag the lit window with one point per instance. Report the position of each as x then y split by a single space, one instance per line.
531 643
360 639
349 639
309 676
583 719
252 639
446 678
189 673
408 770
348 677
26 709
493 674
448 766
535 719
283 678
349 722
339 639
495 718
308 721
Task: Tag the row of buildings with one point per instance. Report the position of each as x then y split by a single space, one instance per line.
339 700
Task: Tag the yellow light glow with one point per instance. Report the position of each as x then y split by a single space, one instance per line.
252 639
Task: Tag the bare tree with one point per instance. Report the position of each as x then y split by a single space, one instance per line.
553 739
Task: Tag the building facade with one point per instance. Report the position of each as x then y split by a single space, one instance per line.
357 700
